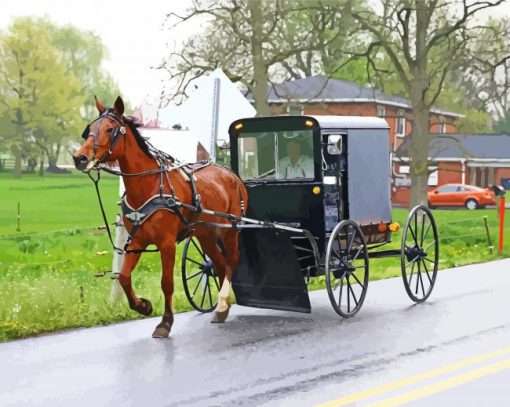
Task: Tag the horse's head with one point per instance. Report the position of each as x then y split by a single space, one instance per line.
104 137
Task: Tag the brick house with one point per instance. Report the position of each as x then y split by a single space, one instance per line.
321 95
475 159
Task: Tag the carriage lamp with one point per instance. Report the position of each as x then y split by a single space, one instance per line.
308 123
238 126
394 226
316 190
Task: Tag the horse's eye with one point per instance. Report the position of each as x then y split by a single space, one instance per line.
109 130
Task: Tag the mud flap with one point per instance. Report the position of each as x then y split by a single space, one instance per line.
268 273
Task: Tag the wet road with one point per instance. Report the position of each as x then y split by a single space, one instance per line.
454 347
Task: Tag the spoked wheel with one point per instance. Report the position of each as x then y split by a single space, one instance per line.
200 282
419 253
346 268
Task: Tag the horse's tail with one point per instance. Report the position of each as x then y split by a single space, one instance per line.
243 197
241 190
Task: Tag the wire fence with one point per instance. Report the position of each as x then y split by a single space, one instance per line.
16 236
479 221
489 236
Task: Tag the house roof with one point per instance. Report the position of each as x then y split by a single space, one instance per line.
465 146
320 89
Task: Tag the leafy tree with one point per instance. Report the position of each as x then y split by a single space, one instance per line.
84 52
474 121
503 126
48 75
422 39
33 84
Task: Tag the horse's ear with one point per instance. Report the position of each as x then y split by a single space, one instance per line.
99 105
119 106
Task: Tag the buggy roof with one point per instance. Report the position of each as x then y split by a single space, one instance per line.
324 122
350 122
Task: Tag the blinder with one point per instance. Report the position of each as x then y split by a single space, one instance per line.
86 133
115 134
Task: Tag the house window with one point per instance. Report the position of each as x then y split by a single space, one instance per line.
404 169
433 178
295 109
381 111
400 128
442 125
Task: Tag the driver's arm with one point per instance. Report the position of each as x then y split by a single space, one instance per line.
309 168
281 167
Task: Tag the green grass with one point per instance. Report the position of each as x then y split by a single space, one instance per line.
54 202
52 280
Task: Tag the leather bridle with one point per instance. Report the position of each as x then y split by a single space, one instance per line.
115 135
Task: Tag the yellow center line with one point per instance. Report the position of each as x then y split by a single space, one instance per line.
444 385
364 394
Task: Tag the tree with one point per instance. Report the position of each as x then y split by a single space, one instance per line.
31 70
255 42
46 85
77 46
484 75
422 39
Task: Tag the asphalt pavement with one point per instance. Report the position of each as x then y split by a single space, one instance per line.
453 348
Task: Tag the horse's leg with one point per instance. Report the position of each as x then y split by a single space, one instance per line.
230 252
167 285
215 250
140 305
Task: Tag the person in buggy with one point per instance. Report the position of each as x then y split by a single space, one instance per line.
295 164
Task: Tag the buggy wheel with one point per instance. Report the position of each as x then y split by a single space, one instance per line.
419 253
346 268
200 283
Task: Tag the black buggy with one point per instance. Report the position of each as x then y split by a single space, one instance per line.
319 205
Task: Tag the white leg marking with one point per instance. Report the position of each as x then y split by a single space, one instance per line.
223 296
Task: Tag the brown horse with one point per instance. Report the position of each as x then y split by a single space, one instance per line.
113 137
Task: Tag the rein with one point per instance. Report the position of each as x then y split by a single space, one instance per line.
96 180
162 160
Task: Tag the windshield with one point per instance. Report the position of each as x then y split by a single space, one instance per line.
276 155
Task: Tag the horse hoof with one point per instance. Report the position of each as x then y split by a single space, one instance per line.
162 330
144 307
220 316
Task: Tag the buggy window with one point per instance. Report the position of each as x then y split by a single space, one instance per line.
276 155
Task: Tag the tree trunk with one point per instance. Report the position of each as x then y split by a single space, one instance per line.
419 156
260 78
41 166
53 158
52 164
17 162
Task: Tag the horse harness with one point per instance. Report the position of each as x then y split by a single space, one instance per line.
157 202
167 202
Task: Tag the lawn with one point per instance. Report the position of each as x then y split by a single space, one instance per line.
54 272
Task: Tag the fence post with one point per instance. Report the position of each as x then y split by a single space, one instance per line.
501 222
491 247
18 229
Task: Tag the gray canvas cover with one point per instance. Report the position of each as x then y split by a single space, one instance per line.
368 166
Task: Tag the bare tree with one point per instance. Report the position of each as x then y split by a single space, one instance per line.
256 42
485 73
422 39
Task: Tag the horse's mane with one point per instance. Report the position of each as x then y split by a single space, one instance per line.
140 140
148 149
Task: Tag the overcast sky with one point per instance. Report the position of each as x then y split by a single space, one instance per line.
130 30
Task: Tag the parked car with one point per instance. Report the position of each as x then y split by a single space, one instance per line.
461 195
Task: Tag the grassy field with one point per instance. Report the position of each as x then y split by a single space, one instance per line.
54 272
